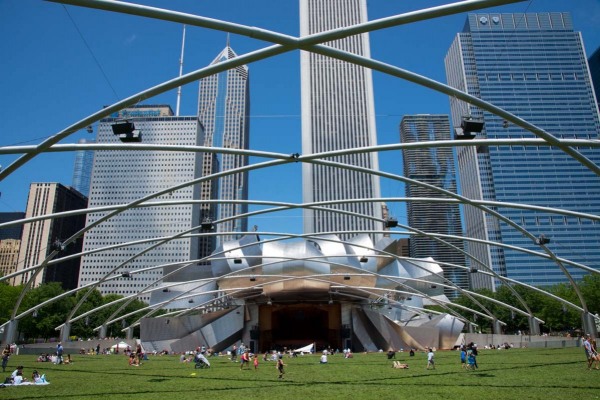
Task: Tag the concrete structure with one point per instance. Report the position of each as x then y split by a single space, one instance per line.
433 166
120 177
337 113
534 66
40 238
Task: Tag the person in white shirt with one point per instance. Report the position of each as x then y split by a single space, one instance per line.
430 360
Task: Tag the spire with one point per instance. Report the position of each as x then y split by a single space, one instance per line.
227 44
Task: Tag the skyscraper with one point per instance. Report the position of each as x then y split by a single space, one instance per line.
39 236
120 177
534 66
82 169
594 63
11 232
434 166
337 113
223 110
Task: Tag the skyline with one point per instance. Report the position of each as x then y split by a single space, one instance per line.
122 50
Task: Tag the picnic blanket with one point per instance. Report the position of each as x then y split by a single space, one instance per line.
25 384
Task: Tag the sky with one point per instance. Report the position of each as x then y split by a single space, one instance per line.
62 63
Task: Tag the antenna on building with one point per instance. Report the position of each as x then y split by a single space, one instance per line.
227 44
180 72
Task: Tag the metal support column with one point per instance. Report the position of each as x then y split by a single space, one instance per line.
10 332
103 332
534 326
589 324
65 332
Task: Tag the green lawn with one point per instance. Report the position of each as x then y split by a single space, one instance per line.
508 374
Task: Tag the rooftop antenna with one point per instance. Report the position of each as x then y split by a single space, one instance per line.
227 44
180 73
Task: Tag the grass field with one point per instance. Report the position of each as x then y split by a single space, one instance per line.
509 374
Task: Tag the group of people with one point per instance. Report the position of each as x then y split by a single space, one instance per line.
17 378
468 356
592 356
136 357
246 357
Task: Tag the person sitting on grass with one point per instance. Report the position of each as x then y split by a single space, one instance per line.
399 365
133 360
18 379
35 377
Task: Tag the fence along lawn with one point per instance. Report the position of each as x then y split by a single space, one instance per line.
507 374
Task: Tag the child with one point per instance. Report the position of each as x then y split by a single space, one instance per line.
280 366
471 359
463 358
430 359
35 377
256 362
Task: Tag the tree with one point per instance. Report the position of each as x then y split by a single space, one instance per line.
43 322
8 298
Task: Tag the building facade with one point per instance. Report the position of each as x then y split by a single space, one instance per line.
82 169
435 167
9 256
10 241
121 177
533 65
594 63
338 113
223 111
39 237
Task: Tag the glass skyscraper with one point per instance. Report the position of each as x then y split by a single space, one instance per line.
223 111
533 65
594 63
337 113
434 166
82 169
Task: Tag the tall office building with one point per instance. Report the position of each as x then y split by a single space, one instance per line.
223 111
433 166
14 231
337 113
39 236
10 241
594 63
533 65
82 169
121 177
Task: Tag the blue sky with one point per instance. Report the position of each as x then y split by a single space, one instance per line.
63 63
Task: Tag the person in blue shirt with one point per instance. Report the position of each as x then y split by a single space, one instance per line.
463 357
